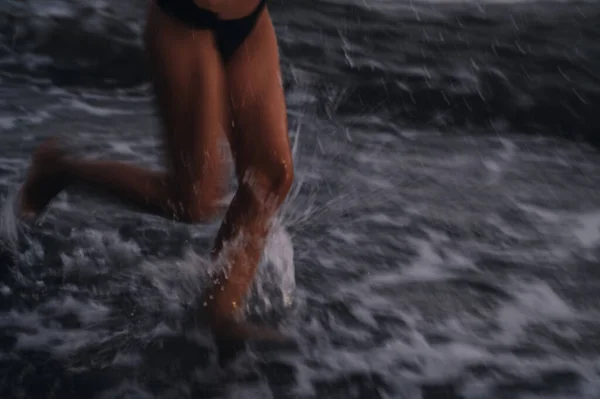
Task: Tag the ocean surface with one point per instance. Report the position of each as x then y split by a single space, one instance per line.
442 238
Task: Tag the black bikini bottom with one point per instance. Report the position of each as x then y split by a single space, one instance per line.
230 33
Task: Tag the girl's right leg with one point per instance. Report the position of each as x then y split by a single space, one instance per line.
265 174
188 79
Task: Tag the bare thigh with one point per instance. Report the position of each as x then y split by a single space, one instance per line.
258 103
189 84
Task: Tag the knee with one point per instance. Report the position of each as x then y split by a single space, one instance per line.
281 178
199 212
271 180
196 208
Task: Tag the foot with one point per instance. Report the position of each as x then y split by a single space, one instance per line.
231 338
249 332
45 180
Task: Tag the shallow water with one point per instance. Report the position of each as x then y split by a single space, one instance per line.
441 239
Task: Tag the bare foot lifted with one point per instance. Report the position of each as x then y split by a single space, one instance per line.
46 179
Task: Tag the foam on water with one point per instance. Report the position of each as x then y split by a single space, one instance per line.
588 231
532 303
413 261
41 330
7 122
94 110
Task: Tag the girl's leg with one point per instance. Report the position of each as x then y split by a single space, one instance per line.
265 173
189 83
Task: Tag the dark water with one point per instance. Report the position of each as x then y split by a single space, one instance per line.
441 241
